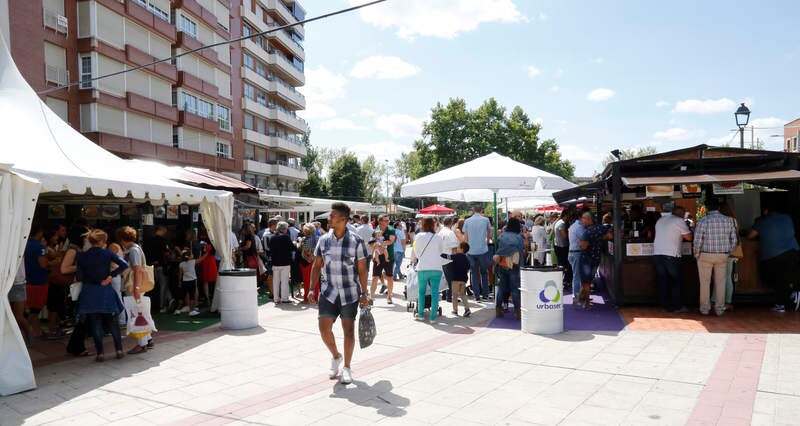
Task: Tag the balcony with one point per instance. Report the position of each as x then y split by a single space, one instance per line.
253 20
277 168
292 121
286 40
258 109
295 75
278 143
260 53
283 11
259 80
287 92
291 94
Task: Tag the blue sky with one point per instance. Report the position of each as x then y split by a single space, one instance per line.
598 75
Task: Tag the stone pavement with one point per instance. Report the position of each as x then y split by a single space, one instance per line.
455 371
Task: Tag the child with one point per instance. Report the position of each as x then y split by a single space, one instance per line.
460 267
187 275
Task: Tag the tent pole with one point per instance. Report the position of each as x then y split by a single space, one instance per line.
496 220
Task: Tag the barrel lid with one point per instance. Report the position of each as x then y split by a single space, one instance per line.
241 272
549 268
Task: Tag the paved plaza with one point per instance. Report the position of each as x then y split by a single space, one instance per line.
455 371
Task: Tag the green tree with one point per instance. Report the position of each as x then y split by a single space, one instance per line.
375 173
456 134
629 154
315 185
346 178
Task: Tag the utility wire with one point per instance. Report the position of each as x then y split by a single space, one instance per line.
224 42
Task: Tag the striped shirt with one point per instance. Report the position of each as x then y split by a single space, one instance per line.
715 233
340 257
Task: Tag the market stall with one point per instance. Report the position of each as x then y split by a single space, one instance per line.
637 191
66 165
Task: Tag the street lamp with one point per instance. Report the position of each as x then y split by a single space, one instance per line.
742 117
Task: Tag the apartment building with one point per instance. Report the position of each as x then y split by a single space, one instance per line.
271 69
791 131
228 108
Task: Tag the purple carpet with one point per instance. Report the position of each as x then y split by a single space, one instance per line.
601 317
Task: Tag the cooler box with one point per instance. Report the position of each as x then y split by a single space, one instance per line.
238 298
541 297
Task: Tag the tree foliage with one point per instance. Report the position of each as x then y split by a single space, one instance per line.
629 154
346 178
375 173
455 134
315 185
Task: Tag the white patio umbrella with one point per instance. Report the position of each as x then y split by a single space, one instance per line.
486 179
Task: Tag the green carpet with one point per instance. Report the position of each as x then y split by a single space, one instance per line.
184 322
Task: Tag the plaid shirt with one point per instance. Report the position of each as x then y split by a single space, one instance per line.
341 258
715 233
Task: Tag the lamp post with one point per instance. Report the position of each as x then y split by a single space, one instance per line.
388 202
742 117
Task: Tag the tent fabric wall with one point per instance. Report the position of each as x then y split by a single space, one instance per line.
18 196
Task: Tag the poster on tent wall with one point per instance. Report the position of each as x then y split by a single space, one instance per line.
730 188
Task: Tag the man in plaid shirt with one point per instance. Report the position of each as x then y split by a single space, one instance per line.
714 240
344 256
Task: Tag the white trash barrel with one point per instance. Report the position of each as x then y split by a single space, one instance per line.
541 295
238 298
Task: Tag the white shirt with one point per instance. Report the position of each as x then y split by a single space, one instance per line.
670 230
449 241
427 249
234 241
19 278
187 267
365 232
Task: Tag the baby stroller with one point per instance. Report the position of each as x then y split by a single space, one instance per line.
411 293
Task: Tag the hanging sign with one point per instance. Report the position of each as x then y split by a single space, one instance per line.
729 188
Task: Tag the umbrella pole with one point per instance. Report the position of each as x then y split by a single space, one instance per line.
496 220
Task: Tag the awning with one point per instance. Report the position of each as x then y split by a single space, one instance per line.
713 178
205 178
585 190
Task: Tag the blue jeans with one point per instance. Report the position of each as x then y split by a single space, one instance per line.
509 280
669 271
100 322
479 265
434 278
575 262
398 262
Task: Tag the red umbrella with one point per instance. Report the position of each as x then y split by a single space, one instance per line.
436 209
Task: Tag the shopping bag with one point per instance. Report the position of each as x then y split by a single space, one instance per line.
140 322
366 328
75 290
412 285
77 340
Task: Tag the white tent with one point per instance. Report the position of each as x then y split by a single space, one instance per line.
43 147
485 178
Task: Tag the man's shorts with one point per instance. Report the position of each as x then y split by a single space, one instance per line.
335 309
37 297
386 267
17 293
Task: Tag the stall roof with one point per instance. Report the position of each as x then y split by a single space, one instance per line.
585 190
205 178
712 178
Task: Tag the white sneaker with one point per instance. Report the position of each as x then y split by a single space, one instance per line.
335 364
347 376
194 312
185 310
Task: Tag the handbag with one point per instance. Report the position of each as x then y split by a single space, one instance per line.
738 252
140 323
148 277
366 328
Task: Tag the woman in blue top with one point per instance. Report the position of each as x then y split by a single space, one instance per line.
98 300
509 243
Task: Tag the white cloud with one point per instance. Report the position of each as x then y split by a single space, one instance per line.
366 112
599 95
763 129
533 71
555 88
543 17
400 125
559 73
442 18
661 104
384 150
384 68
340 124
576 153
707 106
678 134
315 110
539 121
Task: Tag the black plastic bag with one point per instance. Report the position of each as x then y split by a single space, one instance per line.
366 328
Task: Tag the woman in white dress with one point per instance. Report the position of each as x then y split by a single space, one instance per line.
538 241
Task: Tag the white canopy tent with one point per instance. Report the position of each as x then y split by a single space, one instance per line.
488 178
43 147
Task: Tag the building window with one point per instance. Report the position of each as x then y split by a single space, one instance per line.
261 126
795 145
249 152
188 26
262 181
248 122
176 137
224 117
188 103
223 150
261 69
249 92
86 72
261 98
246 31
248 61
205 109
